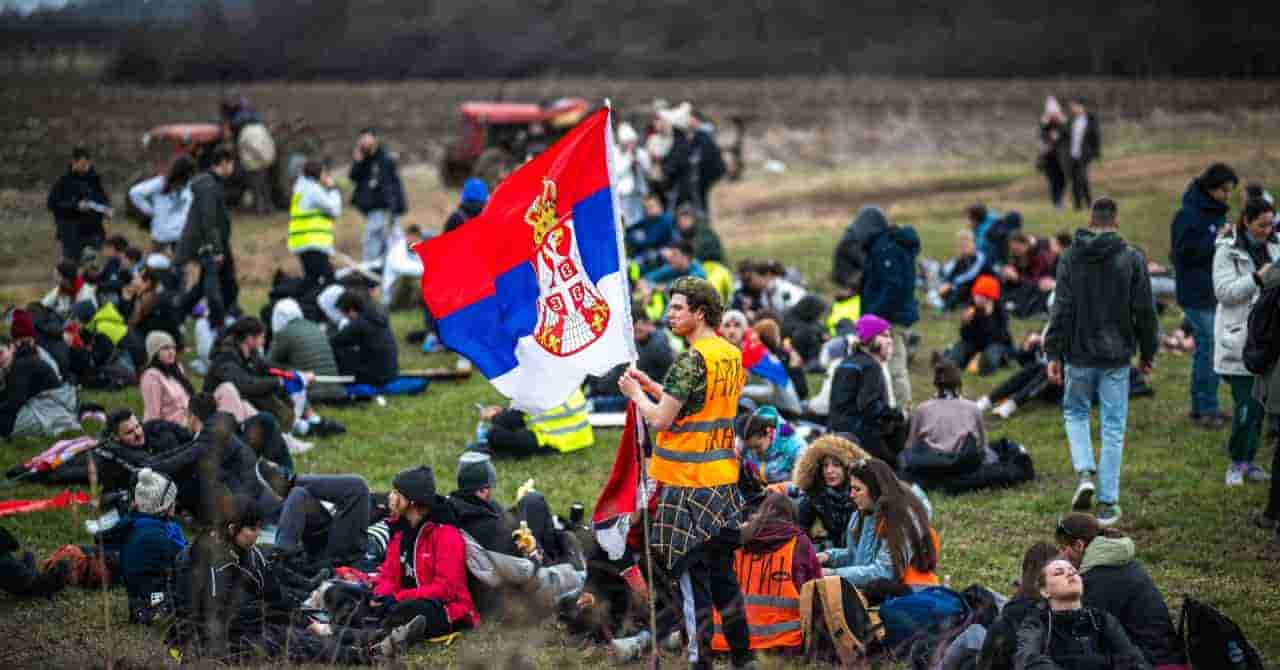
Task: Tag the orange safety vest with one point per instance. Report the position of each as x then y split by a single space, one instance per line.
914 577
697 451
771 599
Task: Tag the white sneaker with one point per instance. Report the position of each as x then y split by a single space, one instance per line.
297 446
1255 475
1006 409
1235 476
627 649
1083 498
984 404
673 642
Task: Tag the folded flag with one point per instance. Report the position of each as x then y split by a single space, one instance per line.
620 497
761 362
533 290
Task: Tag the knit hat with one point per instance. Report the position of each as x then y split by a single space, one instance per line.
475 190
476 471
157 340
154 493
869 326
21 324
987 287
417 485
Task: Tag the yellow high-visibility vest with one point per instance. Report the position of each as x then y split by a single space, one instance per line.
565 427
309 229
849 308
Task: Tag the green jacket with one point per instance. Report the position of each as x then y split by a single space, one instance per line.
302 345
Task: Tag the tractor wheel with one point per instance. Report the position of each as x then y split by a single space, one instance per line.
493 166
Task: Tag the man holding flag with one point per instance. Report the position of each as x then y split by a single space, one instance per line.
699 505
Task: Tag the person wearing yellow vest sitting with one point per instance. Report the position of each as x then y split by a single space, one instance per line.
315 206
696 528
775 561
890 535
846 306
512 433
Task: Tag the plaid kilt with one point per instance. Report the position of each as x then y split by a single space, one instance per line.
687 517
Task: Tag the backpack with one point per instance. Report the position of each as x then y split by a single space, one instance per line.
921 614
1213 641
836 621
1262 341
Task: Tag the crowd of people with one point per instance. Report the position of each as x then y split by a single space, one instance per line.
760 489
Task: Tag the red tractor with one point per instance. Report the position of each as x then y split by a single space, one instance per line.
498 136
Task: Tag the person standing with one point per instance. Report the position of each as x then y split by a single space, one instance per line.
1052 142
696 529
378 194
1102 314
166 199
1085 147
206 240
475 194
1192 237
1245 253
315 207
80 207
889 291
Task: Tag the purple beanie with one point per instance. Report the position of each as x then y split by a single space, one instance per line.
869 326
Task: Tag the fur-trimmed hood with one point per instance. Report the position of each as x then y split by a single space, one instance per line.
808 470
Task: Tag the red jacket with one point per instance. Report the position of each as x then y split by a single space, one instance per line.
440 563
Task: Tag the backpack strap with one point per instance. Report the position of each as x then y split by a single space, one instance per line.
847 645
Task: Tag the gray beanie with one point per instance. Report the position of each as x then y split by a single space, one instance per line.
154 493
476 471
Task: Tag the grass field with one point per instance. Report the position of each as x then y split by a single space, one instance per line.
1191 532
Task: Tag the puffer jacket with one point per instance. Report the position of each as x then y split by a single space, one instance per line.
251 377
849 263
820 503
146 559
1192 235
780 457
1236 290
439 570
866 556
889 285
1118 585
302 345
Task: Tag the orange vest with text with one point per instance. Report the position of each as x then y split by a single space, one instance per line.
697 450
771 599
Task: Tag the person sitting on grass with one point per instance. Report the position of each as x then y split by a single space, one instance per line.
300 344
647 238
1001 642
890 537
113 273
152 542
1117 584
1065 633
946 436
238 374
1029 275
771 444
822 476
862 400
959 273
984 331
364 345
24 377
127 446
692 225
72 288
679 262
512 433
236 611
18 574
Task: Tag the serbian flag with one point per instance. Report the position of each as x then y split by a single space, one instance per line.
620 497
534 290
759 361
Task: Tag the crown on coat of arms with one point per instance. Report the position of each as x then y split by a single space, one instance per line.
541 215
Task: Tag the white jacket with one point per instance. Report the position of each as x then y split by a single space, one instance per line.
168 211
781 296
1236 291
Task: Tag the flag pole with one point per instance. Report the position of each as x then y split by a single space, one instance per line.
648 548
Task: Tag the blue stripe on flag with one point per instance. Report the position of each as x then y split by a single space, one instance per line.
486 331
594 223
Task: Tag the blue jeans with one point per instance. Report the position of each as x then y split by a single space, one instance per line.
378 227
1112 388
1204 381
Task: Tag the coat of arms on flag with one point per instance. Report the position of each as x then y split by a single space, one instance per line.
534 290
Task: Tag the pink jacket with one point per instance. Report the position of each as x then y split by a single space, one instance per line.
163 398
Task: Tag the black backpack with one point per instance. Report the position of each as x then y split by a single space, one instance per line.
1214 642
1262 343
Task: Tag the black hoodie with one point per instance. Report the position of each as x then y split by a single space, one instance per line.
850 259
369 340
65 197
1103 311
484 520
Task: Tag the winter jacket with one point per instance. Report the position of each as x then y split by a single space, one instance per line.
377 184
302 345
865 556
982 238
860 401
236 597
780 457
667 274
984 330
960 273
251 378
28 376
848 267
60 302
1001 643
1192 236
1036 265
439 570
830 507
369 337
1102 311
780 296
146 557
1267 391
467 210
485 521
64 202
1117 584
943 425
163 397
889 286
705 241
1236 289
1083 639
167 211
208 228
648 236
117 463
